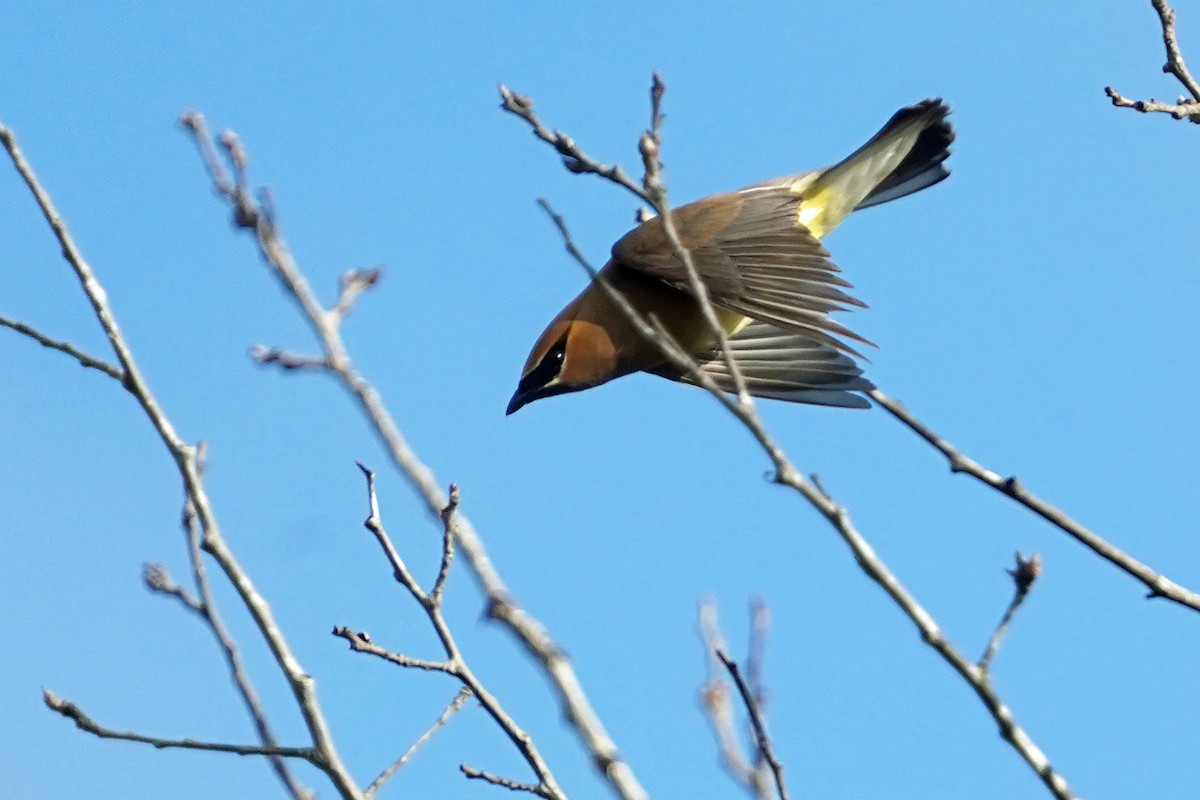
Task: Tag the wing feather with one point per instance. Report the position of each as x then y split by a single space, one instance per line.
754 257
782 365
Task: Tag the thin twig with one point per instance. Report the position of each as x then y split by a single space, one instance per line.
460 699
714 697
285 359
158 580
760 623
91 362
1186 107
1023 575
455 663
374 523
439 583
324 752
760 729
360 642
760 774
354 283
496 780
229 650
1174 65
649 146
1158 584
574 159
85 723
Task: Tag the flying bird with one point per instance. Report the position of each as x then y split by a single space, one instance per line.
758 253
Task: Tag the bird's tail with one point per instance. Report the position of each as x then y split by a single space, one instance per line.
904 157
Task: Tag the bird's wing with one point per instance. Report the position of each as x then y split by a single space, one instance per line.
754 257
782 365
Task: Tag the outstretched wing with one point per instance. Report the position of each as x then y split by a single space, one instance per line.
754 257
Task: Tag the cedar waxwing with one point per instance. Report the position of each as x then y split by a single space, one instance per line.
770 281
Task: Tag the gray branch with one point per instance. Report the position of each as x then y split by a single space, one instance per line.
460 699
91 362
257 217
85 723
1158 584
1186 107
189 466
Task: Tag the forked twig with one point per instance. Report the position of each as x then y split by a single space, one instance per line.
188 461
258 217
1187 107
455 663
1023 575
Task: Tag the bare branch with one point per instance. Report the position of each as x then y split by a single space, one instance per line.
439 583
194 122
157 579
285 359
455 664
1174 65
374 523
760 622
354 283
187 463
501 606
360 642
207 609
1023 575
1157 584
714 697
1186 107
458 702
760 730
574 159
85 723
496 780
656 193
91 362
757 770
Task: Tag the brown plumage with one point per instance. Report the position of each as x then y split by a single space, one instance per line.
758 252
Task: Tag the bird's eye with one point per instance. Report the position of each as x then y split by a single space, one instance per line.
552 362
548 368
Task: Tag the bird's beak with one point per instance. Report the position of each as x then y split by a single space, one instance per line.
519 399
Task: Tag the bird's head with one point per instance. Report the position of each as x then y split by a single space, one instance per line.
572 354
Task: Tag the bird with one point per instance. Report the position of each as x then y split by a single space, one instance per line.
771 283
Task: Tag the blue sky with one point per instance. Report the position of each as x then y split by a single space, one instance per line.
1038 309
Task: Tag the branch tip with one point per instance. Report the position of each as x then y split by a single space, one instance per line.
1026 571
